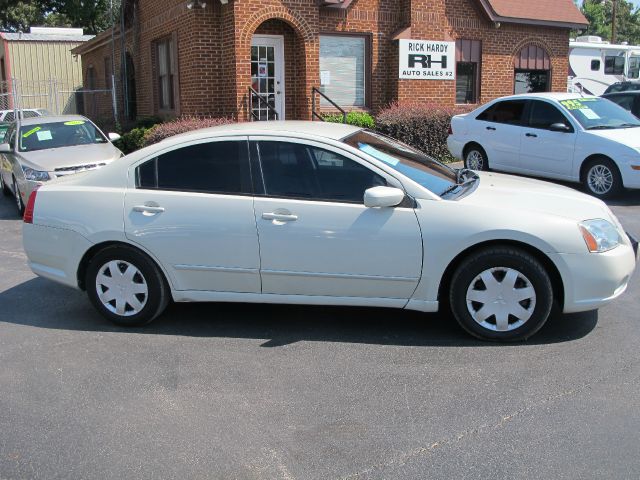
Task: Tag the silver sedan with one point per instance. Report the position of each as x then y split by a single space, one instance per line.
39 149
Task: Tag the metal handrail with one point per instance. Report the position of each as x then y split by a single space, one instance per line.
261 100
315 114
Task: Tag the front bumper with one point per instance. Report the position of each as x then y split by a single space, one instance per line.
591 280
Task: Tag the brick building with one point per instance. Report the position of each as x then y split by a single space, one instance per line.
187 57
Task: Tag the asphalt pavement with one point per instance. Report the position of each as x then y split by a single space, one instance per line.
236 391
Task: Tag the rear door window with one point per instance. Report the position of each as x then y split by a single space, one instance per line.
510 112
212 167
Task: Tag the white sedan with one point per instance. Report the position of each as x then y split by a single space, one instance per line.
324 214
562 136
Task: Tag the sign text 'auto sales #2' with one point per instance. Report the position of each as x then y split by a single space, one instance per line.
427 60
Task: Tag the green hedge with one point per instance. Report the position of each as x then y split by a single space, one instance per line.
358 119
132 140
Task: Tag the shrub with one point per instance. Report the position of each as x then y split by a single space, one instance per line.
420 125
180 125
132 140
358 119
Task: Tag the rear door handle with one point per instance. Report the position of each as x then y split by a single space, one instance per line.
148 209
280 217
531 135
491 128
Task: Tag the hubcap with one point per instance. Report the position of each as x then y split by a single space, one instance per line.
501 299
122 288
475 160
600 179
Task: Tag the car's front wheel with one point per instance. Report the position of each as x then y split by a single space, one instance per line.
18 197
475 158
601 178
501 294
126 286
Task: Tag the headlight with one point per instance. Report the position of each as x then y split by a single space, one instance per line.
35 175
599 235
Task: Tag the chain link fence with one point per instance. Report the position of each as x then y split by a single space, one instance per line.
57 98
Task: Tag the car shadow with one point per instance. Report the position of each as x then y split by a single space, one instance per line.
42 304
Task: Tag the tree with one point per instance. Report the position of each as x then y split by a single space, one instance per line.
94 16
600 12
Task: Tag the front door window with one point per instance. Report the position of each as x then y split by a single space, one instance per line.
266 78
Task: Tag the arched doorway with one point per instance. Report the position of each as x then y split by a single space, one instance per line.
278 71
532 70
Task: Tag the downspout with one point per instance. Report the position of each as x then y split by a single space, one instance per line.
7 66
123 63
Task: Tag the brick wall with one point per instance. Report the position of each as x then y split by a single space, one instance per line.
213 50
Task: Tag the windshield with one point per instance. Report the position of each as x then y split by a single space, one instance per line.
599 113
417 166
58 134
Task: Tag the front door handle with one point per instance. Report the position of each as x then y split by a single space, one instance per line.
531 135
148 209
279 217
491 128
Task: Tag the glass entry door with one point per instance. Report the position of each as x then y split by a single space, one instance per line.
267 68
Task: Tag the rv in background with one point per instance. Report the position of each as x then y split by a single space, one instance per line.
595 64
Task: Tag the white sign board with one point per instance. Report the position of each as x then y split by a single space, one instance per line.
427 60
325 77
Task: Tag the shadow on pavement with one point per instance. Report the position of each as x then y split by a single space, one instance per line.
43 304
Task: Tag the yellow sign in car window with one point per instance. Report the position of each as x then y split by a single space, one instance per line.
75 122
577 104
30 132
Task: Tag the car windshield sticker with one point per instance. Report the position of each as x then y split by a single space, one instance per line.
44 135
75 122
31 132
590 114
577 104
375 153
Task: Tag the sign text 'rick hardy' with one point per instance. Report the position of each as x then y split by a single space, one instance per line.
427 60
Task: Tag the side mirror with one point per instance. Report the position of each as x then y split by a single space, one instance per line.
5 148
559 127
114 136
383 197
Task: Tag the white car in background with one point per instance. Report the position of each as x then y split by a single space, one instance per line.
555 135
324 214
10 115
39 149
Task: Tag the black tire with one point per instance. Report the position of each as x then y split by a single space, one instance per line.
603 169
475 158
505 259
6 191
18 197
156 299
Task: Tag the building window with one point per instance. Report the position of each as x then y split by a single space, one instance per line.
107 73
595 65
468 58
613 65
532 70
166 72
344 69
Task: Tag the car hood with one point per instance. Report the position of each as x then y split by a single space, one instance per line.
528 195
626 136
50 159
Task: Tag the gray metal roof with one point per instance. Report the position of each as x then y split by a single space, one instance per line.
44 37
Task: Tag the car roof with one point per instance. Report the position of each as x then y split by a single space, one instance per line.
51 119
334 131
557 96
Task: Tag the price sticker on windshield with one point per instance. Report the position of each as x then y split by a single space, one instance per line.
573 104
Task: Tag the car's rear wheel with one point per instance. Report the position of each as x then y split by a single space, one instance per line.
6 191
475 158
18 197
601 178
126 286
501 294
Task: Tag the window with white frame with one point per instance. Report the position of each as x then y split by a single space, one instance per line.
343 64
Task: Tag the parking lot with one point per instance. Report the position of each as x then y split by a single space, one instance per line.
282 392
